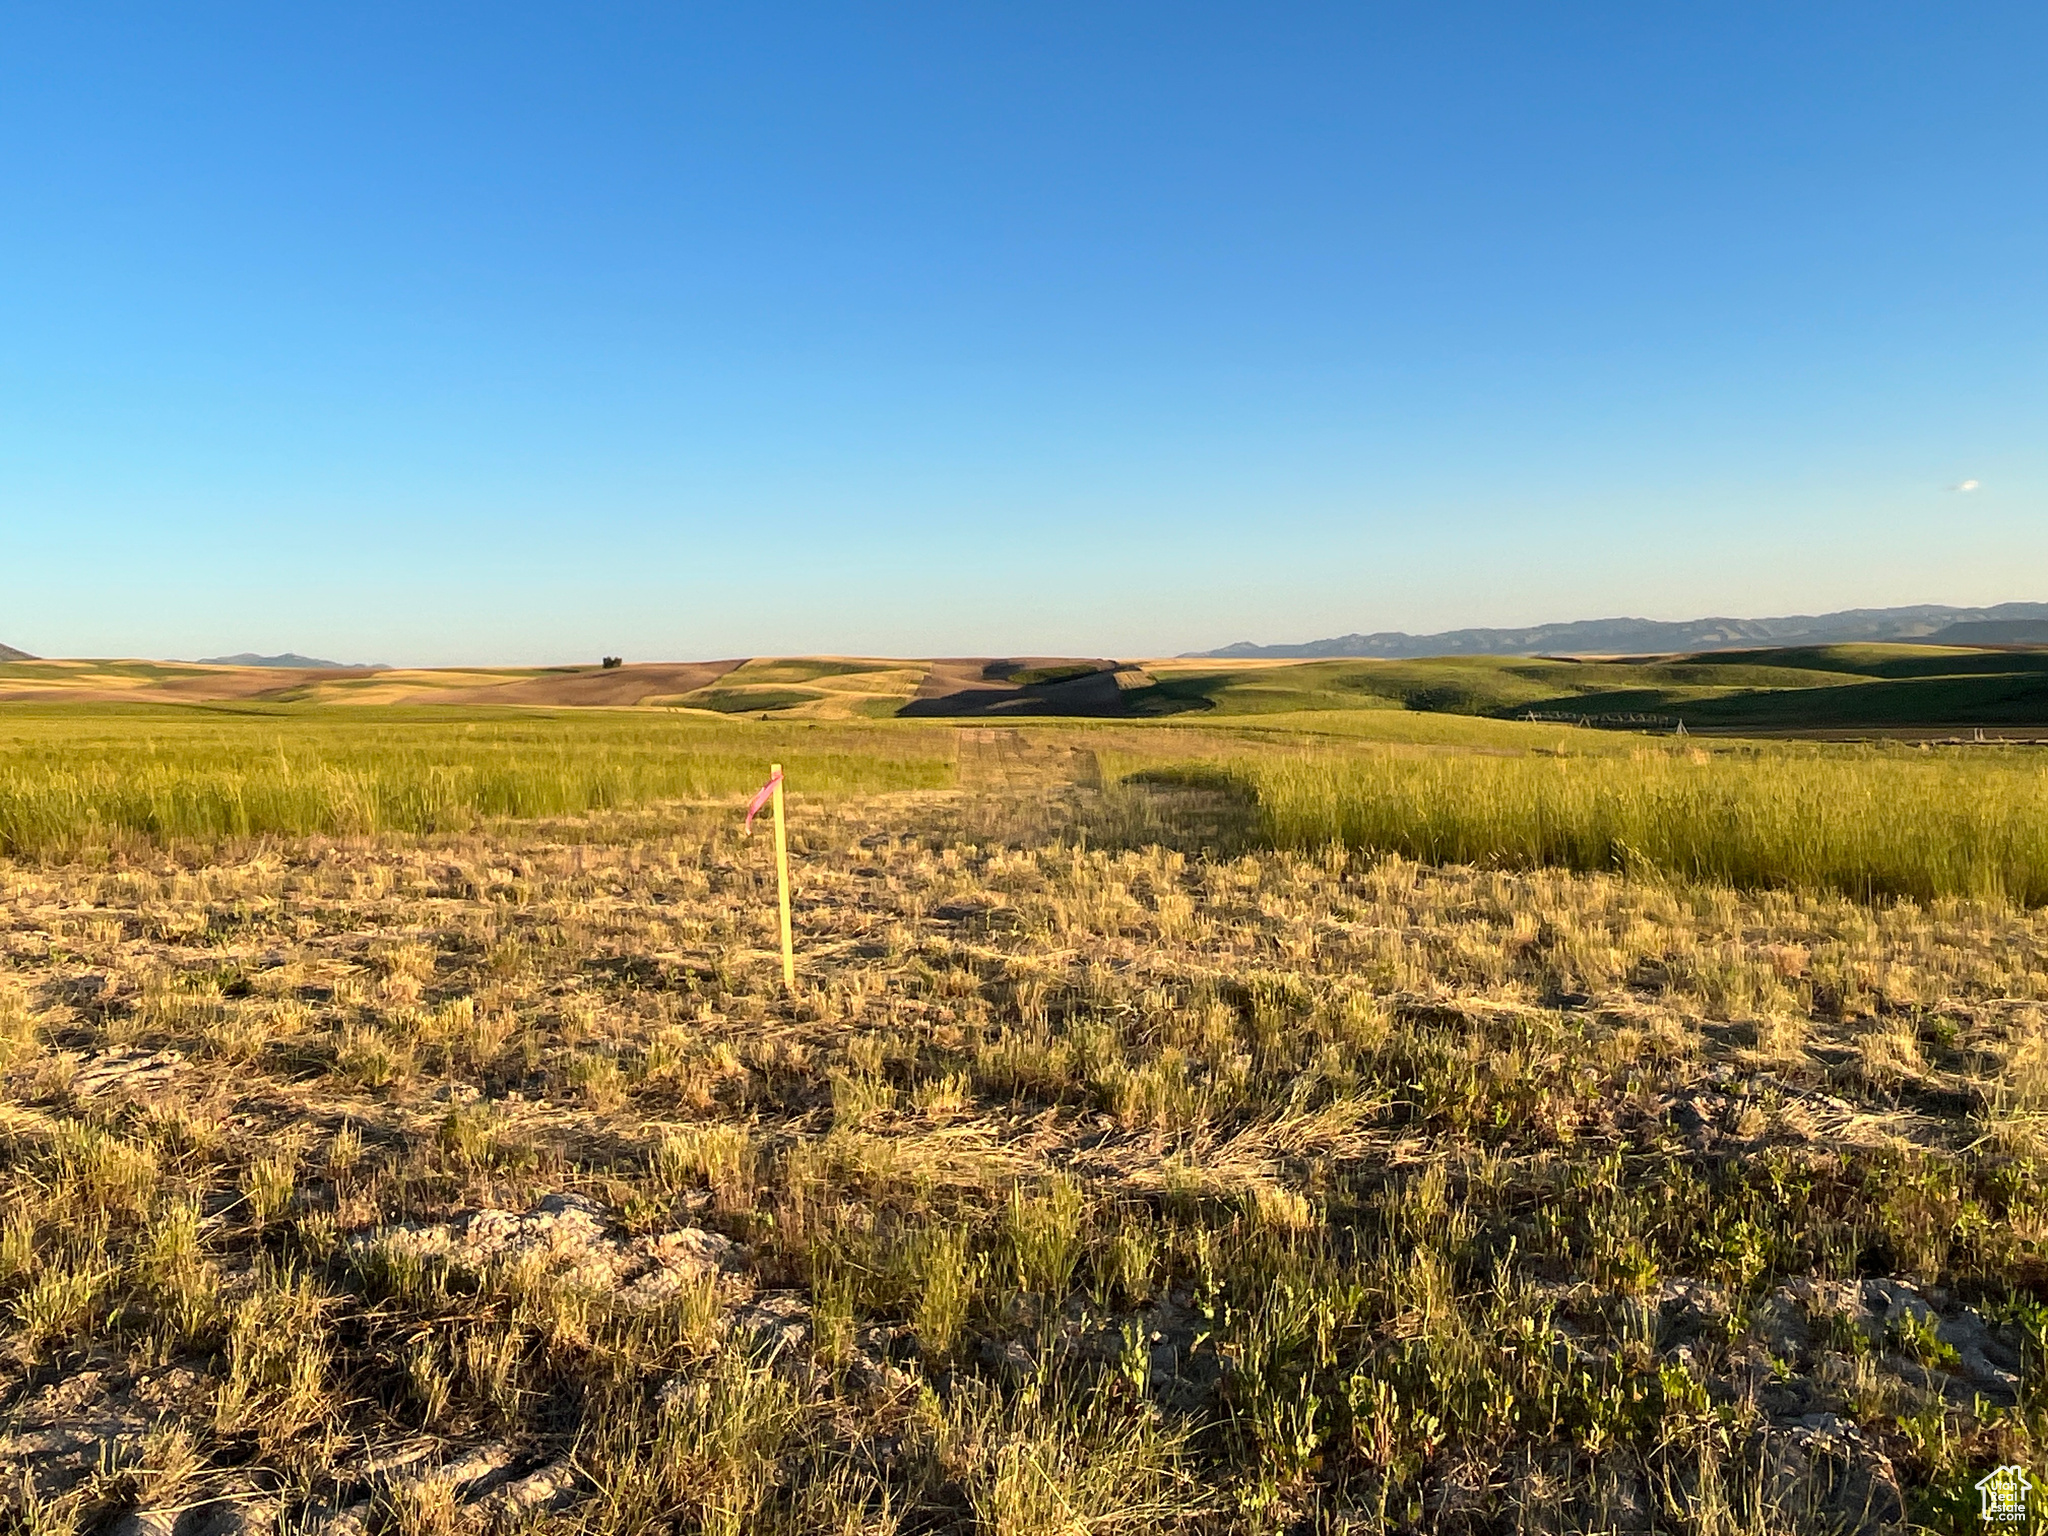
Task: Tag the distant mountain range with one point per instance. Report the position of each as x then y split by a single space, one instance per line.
1927 624
288 659
9 653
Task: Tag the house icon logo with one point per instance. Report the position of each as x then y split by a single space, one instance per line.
2004 1495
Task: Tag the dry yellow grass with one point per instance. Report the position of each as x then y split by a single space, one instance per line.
1091 1183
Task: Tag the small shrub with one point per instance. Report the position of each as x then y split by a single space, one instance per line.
948 1276
1044 1230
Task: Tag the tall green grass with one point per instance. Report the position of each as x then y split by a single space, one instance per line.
73 779
1871 823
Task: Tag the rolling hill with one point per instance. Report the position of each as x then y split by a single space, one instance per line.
1833 689
1790 689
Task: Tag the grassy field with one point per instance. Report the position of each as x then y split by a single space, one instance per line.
1142 1150
75 779
1872 822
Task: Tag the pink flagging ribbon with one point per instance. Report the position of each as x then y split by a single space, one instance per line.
760 800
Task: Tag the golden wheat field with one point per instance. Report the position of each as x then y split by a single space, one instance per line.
1141 1151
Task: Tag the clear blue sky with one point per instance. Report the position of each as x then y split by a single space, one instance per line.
513 333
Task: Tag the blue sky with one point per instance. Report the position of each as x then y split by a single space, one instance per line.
522 334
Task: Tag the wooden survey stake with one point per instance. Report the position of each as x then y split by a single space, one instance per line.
782 881
772 792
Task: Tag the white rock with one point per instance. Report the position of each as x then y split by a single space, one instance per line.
565 1237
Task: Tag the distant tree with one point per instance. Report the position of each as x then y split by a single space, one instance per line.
614 661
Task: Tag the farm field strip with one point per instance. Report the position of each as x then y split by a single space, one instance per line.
1874 822
1845 689
76 780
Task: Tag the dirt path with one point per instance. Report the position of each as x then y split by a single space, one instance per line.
993 759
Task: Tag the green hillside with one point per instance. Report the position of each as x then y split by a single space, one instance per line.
1811 688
